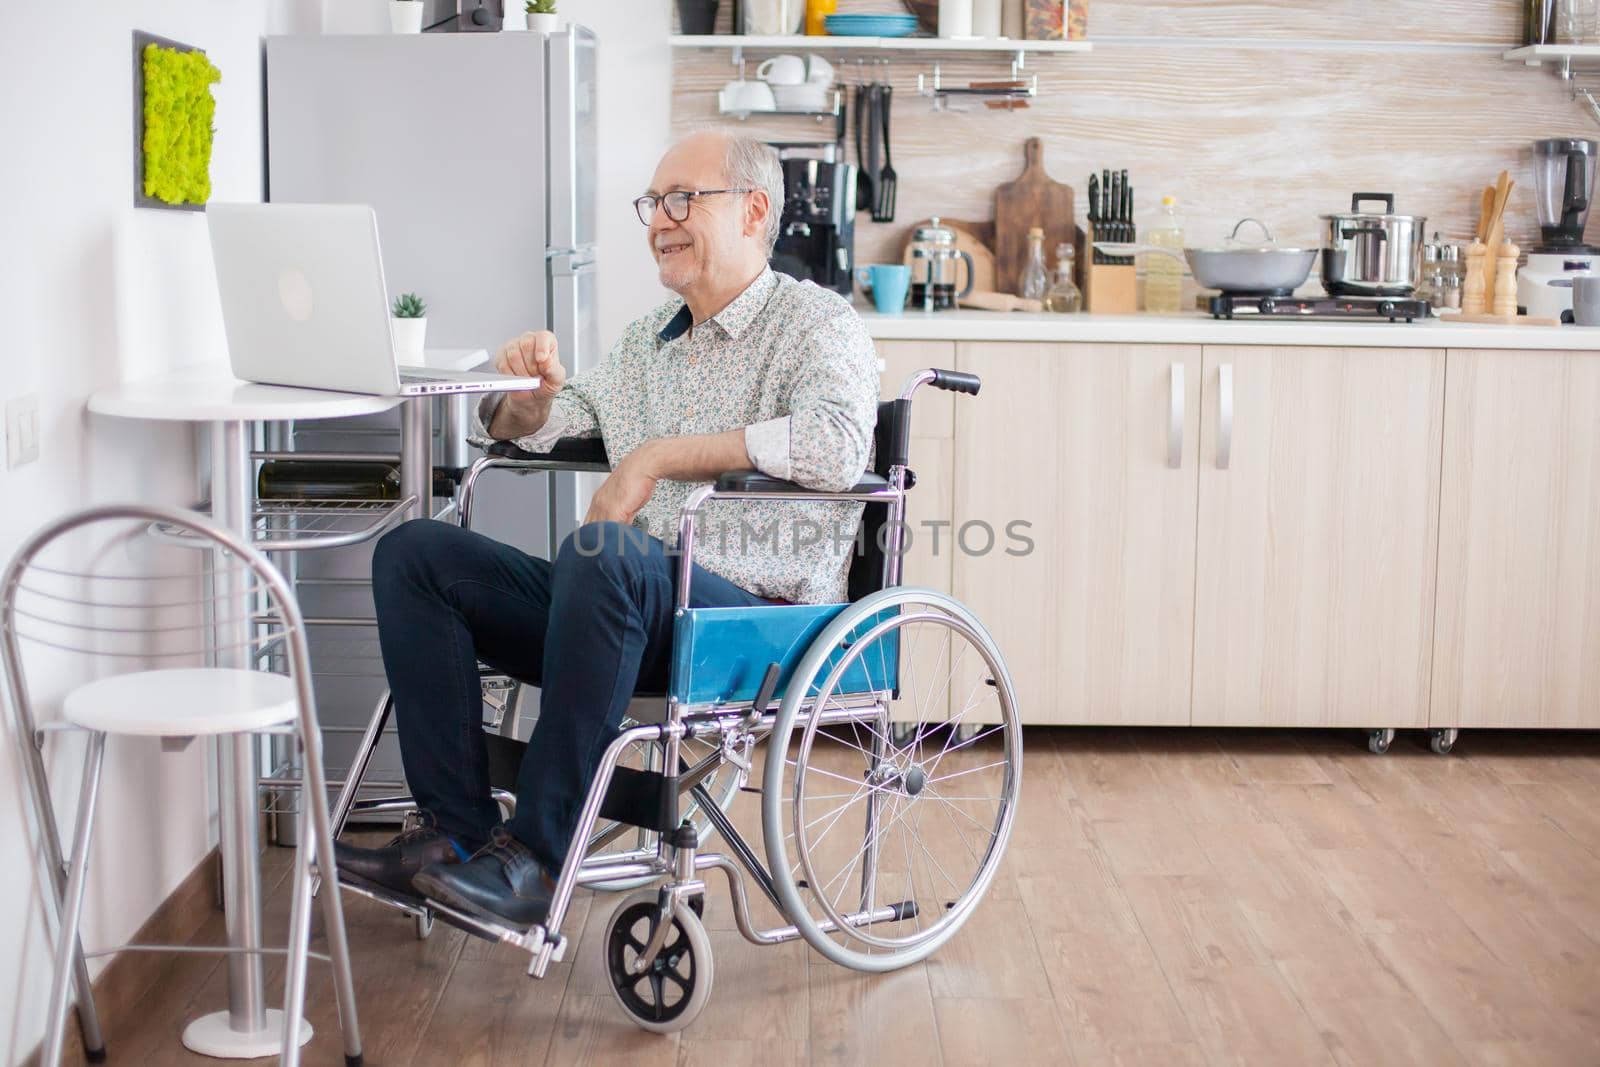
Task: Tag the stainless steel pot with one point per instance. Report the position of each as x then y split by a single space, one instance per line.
1265 268
1372 253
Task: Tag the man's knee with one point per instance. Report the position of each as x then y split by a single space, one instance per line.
412 550
604 549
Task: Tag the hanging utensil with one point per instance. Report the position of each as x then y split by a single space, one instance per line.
887 179
874 161
864 197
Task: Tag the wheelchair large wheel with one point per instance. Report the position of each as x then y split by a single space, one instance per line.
912 833
723 785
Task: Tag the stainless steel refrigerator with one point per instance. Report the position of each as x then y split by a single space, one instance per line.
478 152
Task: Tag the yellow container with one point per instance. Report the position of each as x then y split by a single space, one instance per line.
816 11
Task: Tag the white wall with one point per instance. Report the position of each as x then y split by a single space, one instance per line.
96 291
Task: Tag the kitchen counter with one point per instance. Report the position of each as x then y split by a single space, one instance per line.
1200 328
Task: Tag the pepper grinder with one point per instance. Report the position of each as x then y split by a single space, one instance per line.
1473 289
1505 280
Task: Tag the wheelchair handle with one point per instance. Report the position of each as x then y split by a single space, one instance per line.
956 381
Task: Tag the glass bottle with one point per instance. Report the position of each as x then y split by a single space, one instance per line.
1034 279
1063 294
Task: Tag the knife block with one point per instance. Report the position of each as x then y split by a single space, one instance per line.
1112 289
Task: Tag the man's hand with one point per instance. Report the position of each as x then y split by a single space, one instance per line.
626 489
531 355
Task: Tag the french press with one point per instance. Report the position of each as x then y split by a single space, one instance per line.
933 267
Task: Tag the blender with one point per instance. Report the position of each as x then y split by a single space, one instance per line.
1563 185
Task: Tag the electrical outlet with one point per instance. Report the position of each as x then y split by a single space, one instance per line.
22 430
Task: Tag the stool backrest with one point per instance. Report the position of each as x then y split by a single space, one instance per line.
133 587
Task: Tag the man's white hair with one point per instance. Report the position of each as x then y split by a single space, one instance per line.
752 164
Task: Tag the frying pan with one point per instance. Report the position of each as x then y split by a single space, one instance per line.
1236 268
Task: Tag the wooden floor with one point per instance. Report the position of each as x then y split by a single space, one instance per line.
1169 897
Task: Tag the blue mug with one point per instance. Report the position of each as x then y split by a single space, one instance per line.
889 284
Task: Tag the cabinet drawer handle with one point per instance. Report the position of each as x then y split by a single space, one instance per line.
1224 415
1175 420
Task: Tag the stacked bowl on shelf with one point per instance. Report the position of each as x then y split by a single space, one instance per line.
870 25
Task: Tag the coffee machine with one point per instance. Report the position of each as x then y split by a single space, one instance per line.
817 230
1563 187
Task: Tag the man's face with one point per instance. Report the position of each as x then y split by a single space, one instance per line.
719 230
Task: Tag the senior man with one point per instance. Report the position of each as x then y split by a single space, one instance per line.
742 368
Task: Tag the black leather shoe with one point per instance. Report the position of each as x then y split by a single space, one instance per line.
395 865
501 881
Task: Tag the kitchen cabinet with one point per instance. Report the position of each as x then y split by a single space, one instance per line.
1518 633
1317 535
1096 620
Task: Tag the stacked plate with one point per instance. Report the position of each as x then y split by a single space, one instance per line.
870 25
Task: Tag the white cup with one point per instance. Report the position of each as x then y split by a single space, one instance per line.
739 96
783 70
818 70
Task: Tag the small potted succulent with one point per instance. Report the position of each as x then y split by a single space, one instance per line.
409 327
405 16
542 16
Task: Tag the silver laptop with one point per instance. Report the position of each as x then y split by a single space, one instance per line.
304 303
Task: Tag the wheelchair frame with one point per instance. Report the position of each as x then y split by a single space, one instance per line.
668 848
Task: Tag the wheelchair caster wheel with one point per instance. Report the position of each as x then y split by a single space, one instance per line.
1378 741
901 734
424 925
668 994
1443 740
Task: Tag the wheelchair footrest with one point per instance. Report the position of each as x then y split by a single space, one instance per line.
642 798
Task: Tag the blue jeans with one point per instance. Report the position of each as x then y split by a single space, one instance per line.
589 629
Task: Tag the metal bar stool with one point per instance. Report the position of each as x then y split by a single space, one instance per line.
94 584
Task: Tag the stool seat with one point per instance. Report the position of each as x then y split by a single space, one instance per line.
183 702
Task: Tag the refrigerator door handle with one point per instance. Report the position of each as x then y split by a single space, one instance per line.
572 157
570 274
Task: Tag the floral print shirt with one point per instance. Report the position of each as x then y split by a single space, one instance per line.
790 364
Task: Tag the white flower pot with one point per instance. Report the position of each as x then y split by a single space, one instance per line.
516 17
409 335
544 23
405 16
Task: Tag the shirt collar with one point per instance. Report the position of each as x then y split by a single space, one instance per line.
733 319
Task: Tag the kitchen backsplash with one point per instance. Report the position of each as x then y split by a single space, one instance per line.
1276 109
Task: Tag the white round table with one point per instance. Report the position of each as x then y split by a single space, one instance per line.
211 394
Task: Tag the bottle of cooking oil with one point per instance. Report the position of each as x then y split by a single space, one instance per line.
1063 295
1163 275
1034 278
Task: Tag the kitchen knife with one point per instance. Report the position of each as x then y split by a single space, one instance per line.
1094 213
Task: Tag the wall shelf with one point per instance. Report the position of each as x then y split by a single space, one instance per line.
1537 55
737 43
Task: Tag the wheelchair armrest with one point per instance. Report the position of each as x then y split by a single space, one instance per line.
582 453
756 482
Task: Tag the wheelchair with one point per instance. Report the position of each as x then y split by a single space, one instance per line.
891 716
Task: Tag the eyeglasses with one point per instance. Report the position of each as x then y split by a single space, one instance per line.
675 203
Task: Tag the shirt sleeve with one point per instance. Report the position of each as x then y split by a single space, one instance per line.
833 407
575 411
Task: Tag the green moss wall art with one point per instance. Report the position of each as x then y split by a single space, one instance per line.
174 109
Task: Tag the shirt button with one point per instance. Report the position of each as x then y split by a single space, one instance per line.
693 360
690 411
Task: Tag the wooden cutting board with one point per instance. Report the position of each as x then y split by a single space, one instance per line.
967 241
1034 199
